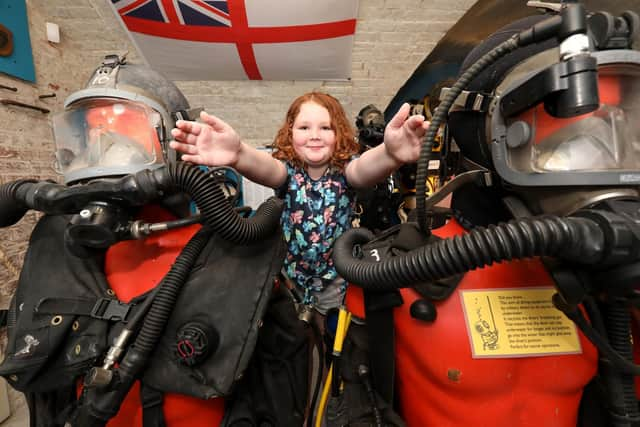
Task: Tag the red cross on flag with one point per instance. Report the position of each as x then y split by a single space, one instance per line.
243 39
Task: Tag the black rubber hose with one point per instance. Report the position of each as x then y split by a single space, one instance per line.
576 239
217 211
170 288
11 209
167 295
139 189
623 403
608 354
440 115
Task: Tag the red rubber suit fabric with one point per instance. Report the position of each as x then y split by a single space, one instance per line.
440 384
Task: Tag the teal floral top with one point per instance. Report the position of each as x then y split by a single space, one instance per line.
316 212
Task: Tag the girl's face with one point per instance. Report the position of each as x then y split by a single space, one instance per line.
313 138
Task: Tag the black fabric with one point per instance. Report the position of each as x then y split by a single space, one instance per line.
592 411
475 206
409 237
55 305
379 314
273 391
44 353
228 292
49 409
403 238
379 306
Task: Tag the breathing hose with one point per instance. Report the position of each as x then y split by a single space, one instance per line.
440 115
218 213
12 209
624 403
576 239
138 189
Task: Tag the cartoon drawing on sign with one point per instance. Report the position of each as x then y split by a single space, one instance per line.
488 332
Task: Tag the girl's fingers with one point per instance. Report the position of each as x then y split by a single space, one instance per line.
184 137
183 148
414 122
399 118
178 134
216 123
188 127
191 158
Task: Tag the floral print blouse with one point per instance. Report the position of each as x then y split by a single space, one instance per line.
316 212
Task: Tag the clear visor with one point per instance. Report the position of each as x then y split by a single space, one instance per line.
106 133
607 139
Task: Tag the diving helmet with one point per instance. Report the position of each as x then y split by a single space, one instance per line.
562 134
118 124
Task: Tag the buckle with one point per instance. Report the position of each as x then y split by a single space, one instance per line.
110 309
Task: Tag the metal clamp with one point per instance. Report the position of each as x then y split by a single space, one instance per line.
469 100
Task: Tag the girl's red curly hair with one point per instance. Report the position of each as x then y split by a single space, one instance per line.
346 145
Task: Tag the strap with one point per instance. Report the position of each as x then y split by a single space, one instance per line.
3 318
152 399
381 336
100 308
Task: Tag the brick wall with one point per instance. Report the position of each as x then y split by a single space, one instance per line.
392 38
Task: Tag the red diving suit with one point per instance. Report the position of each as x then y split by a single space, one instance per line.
440 383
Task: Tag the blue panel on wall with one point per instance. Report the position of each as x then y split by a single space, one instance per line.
13 16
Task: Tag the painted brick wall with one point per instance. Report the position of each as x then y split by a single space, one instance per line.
392 38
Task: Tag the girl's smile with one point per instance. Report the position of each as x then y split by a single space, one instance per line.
313 137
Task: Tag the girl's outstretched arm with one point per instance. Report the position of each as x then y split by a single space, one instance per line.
214 143
402 142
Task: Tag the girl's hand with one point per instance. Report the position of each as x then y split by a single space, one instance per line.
403 135
211 143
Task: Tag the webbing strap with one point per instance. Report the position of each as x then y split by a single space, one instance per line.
152 399
381 334
99 308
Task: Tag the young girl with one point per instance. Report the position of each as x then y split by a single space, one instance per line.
314 158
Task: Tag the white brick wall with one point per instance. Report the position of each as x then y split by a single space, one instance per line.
392 38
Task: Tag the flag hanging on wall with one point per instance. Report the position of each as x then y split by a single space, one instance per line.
243 39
